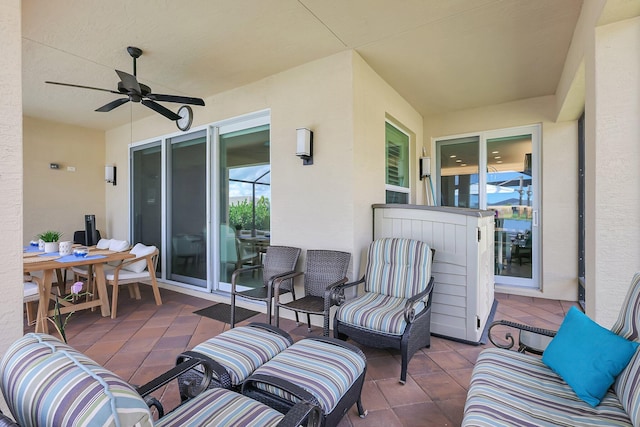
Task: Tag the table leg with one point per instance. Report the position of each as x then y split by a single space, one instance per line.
44 291
101 286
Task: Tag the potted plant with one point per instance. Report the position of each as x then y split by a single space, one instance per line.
50 239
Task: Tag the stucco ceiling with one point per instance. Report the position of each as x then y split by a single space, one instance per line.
440 55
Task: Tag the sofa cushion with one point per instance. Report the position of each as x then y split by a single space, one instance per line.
587 356
103 244
47 383
627 387
510 388
221 408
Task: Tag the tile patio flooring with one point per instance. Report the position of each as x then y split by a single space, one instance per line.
144 340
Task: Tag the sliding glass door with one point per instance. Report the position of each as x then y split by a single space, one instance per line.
498 170
187 209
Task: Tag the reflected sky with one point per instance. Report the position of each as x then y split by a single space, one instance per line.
242 179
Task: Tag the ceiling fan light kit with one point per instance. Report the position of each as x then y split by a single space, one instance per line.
138 92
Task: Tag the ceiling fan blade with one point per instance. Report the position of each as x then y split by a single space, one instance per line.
113 104
128 81
160 109
82 87
176 98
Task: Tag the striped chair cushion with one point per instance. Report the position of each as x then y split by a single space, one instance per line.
397 267
219 407
628 323
325 370
380 313
509 388
243 349
47 383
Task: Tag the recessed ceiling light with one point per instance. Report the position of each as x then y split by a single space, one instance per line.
495 152
497 157
458 161
499 161
453 156
463 164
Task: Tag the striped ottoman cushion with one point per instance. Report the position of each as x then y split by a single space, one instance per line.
325 370
510 388
219 407
243 349
47 383
380 313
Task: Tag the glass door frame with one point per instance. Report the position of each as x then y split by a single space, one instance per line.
536 226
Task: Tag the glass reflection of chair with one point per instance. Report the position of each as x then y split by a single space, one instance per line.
522 246
187 250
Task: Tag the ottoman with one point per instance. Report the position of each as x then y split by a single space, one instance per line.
326 372
233 356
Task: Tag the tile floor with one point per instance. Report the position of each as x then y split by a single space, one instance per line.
144 340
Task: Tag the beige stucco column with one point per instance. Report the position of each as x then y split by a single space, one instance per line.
10 175
612 169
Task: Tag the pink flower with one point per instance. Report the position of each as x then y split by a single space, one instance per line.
76 287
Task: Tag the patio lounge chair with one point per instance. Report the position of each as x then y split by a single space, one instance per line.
48 383
395 309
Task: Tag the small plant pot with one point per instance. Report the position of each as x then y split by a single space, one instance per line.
50 247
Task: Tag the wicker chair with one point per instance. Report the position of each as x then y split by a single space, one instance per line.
324 272
278 260
395 309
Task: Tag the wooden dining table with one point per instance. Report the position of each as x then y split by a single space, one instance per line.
49 264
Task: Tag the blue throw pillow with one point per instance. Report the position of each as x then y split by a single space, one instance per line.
587 356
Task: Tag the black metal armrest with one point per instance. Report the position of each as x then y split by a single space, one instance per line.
409 307
332 292
152 402
520 327
211 368
338 292
173 373
302 411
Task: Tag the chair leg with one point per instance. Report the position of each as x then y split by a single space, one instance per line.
276 315
154 286
232 321
308 322
114 301
293 295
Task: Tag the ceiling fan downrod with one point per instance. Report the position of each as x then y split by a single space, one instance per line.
135 54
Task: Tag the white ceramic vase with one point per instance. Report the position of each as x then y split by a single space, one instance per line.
50 247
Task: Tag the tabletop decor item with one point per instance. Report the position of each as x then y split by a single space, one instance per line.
58 321
50 239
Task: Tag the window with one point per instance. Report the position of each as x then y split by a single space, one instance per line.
397 165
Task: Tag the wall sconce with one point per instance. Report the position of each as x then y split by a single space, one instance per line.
304 148
110 174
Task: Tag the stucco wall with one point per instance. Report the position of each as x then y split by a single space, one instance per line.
559 181
10 176
326 205
613 253
59 199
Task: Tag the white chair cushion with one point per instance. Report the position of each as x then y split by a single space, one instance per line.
127 275
118 245
103 244
139 250
30 289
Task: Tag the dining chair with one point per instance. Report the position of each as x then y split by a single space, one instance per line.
324 271
133 271
278 260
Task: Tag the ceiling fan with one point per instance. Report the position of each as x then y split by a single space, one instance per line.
138 92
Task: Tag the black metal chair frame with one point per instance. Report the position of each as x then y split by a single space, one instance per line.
325 271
